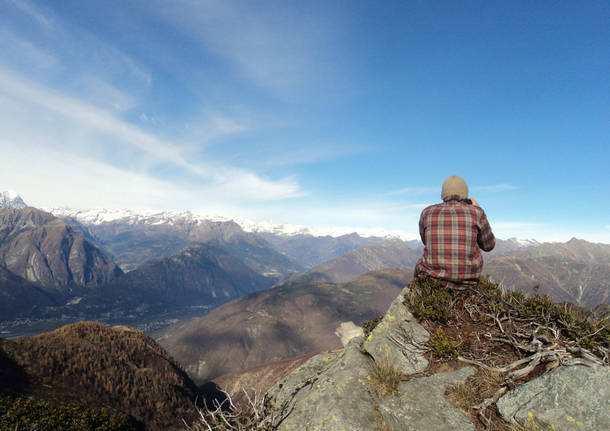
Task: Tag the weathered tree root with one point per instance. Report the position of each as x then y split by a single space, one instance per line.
488 402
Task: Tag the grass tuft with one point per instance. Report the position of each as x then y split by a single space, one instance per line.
385 378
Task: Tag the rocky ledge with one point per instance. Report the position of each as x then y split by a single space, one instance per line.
340 391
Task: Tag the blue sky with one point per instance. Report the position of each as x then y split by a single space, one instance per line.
331 113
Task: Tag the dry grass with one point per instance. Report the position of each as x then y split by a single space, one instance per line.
469 395
385 378
480 386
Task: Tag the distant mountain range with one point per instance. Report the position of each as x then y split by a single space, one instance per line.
390 254
576 271
48 269
70 265
132 239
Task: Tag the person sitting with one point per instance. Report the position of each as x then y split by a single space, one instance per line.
454 232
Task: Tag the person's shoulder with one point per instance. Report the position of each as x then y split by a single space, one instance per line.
430 208
478 211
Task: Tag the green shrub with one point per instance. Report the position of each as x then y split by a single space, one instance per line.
444 347
369 325
428 299
28 415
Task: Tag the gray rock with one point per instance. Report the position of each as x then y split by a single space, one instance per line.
329 392
399 339
335 392
420 404
571 397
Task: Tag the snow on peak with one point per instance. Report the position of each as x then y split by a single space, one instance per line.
336 231
97 216
11 199
523 242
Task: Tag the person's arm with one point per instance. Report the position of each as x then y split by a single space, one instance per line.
422 228
485 237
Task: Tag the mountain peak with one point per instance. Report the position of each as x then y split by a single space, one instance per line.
11 199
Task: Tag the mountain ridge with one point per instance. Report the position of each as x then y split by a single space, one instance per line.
45 250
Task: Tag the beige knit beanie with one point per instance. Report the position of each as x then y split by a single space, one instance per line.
454 186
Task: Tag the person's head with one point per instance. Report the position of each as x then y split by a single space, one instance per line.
454 186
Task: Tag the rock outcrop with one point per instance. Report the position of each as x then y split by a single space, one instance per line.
398 340
420 405
336 391
339 391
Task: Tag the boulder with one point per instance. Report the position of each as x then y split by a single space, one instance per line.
329 392
348 330
571 397
398 339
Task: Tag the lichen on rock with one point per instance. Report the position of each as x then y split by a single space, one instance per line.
399 339
571 397
420 404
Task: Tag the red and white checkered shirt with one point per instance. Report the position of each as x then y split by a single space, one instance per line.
454 233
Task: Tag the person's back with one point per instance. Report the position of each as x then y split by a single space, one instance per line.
454 233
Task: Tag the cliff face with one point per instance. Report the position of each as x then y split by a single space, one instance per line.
44 250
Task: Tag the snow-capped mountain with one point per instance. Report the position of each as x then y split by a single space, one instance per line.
11 199
523 242
98 216
336 231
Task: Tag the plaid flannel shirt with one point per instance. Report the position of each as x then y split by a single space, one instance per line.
454 233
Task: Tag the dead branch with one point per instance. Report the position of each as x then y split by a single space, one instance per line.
497 321
487 402
585 354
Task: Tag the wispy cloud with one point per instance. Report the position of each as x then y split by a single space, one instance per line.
212 125
36 117
277 48
22 53
34 13
289 154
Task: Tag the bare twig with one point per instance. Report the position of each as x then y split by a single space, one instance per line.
489 401
497 321
585 354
